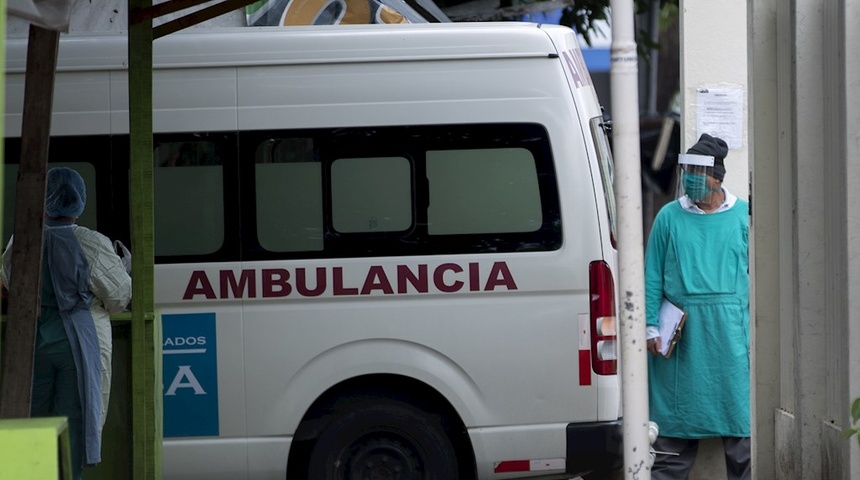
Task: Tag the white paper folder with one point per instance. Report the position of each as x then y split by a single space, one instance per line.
672 321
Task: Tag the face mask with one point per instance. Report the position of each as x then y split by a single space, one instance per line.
696 186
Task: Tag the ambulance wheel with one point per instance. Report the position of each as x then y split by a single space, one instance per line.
383 439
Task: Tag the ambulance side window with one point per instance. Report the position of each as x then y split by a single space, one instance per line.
288 195
397 191
190 207
371 194
483 191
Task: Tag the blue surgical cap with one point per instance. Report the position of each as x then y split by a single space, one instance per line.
65 193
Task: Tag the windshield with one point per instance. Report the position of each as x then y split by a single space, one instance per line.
599 127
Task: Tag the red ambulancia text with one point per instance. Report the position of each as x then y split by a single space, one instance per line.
313 282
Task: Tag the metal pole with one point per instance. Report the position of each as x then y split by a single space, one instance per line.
628 192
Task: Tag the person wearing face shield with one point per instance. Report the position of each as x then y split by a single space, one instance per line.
83 282
697 259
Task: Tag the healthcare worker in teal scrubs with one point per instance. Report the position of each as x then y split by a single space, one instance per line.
83 281
697 258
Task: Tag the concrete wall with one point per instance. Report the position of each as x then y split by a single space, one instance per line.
765 231
851 17
805 236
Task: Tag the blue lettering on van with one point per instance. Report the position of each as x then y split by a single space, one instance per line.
190 375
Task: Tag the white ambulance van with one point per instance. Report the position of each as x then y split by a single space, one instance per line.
382 251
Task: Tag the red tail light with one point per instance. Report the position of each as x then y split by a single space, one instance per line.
604 346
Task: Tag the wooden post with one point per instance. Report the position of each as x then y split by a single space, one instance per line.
24 301
145 325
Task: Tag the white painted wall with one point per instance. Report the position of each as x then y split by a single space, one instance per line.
713 55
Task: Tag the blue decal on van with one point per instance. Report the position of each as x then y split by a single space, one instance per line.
190 375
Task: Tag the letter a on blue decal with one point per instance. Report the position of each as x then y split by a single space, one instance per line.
190 375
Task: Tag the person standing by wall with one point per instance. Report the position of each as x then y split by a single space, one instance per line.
697 258
83 282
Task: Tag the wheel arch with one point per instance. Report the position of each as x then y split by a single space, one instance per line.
380 385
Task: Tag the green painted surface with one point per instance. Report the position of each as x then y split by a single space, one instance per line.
146 421
31 449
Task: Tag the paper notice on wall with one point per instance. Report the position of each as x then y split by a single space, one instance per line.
720 113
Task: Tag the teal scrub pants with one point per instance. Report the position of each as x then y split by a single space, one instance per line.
55 394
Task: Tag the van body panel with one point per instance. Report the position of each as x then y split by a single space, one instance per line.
419 321
396 93
497 334
513 442
190 459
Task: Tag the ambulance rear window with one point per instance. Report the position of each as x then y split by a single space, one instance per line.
607 172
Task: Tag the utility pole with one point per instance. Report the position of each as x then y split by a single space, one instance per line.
628 193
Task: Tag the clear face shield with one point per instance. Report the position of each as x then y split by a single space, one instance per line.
697 176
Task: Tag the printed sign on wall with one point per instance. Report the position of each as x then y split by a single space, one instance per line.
190 375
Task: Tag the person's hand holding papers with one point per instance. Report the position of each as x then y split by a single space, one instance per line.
672 321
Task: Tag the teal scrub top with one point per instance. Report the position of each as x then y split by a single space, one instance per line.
700 262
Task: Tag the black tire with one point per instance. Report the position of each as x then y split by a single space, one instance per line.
383 439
